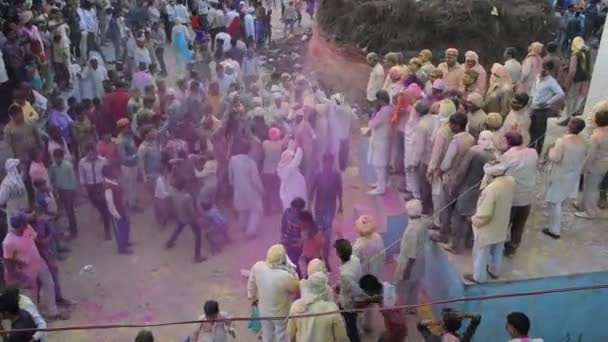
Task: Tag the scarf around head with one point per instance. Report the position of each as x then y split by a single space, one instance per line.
13 179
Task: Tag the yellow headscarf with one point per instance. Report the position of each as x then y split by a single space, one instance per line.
536 49
578 44
275 255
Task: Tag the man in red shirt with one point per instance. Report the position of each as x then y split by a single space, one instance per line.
115 103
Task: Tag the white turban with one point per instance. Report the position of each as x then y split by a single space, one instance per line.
413 208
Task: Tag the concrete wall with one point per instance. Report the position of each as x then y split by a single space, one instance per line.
559 317
567 316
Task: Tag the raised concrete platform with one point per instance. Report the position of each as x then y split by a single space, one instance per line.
579 258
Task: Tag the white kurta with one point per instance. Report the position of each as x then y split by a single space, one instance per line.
92 82
377 154
249 26
245 179
293 183
375 82
567 158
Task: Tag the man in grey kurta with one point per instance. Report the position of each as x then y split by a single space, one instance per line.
247 186
465 187
458 147
411 262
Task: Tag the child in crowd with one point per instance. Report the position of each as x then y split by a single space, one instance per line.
64 181
214 331
47 210
83 132
395 323
217 227
162 203
37 168
312 239
107 148
451 324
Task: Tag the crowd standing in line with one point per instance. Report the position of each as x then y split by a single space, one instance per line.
82 119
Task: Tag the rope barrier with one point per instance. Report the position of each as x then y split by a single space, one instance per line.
276 318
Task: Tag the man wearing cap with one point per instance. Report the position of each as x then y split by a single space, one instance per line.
453 72
411 261
491 223
471 59
476 116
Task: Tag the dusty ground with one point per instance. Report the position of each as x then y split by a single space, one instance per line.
154 285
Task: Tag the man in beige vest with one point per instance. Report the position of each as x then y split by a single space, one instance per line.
490 224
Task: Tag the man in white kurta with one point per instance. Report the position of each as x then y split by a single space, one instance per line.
248 189
329 328
567 158
378 152
270 284
369 248
376 77
293 184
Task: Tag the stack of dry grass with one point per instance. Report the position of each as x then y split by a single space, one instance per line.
487 26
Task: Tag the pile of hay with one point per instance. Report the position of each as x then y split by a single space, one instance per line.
410 25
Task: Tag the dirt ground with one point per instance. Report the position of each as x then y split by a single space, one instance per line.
154 285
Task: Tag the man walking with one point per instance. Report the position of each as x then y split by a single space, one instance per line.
326 194
90 171
185 214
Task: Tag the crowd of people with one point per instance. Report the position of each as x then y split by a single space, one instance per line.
82 121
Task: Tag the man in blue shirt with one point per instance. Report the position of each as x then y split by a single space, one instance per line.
546 97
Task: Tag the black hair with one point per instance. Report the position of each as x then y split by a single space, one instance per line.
370 284
298 203
522 98
306 218
14 110
211 308
144 336
520 322
577 125
548 65
510 51
459 120
601 118
383 95
514 138
58 153
344 249
9 301
451 320
552 47
422 107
